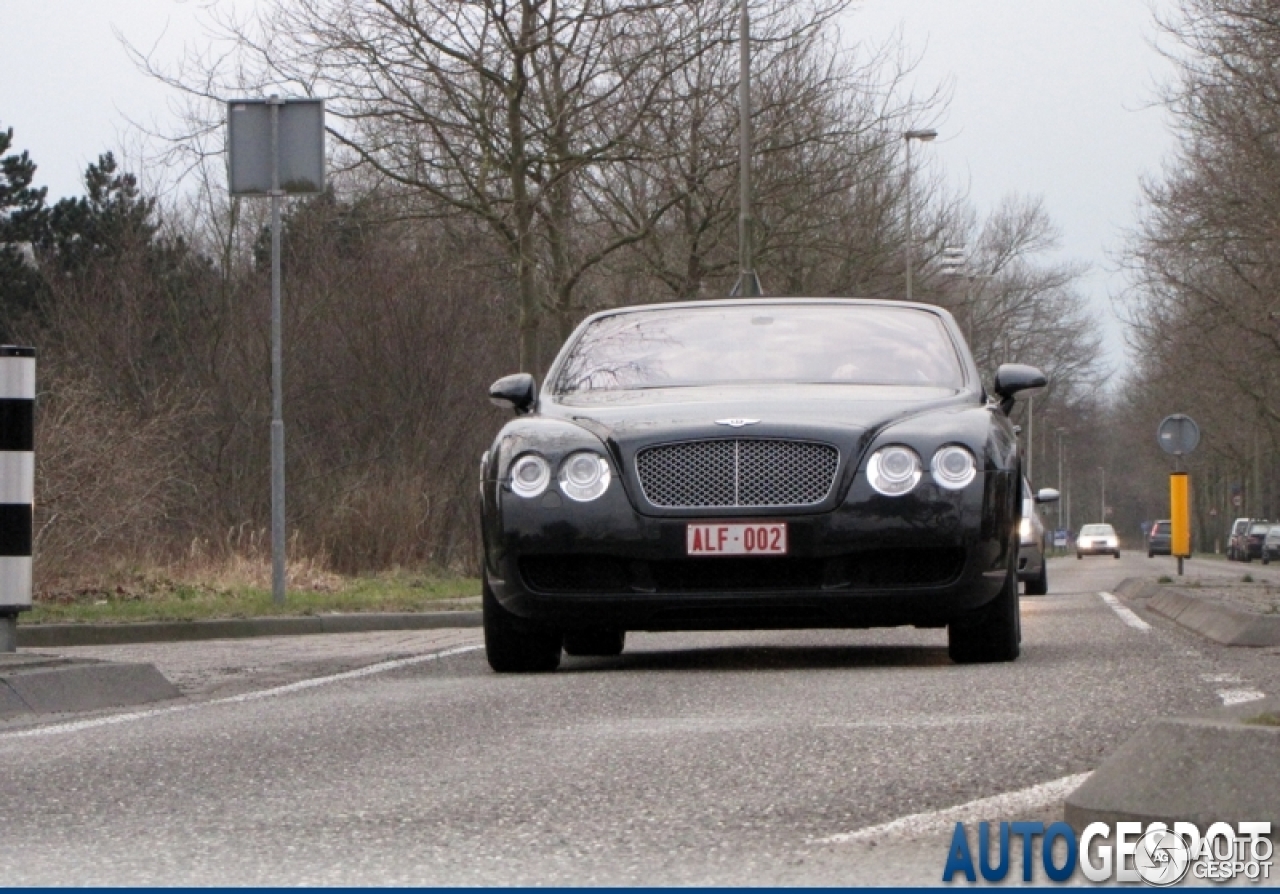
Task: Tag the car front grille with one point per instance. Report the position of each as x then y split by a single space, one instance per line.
737 472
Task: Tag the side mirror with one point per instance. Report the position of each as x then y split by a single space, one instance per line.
1047 495
517 392
1014 377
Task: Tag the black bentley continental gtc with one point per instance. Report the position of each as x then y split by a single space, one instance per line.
749 464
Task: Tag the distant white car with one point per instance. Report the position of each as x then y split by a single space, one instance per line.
1097 540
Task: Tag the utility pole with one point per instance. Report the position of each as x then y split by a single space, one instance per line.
748 284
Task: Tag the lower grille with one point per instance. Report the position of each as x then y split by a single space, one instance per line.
882 569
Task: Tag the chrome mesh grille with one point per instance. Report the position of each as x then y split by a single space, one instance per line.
724 473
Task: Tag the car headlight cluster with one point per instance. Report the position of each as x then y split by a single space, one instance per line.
583 476
1026 534
896 469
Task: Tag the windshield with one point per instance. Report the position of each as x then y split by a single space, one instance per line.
1096 531
831 344
1161 528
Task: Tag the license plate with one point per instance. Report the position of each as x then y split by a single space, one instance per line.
734 539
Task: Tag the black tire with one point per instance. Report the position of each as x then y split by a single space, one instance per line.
513 647
1079 556
595 643
1150 554
1266 560
990 633
1039 586
1248 559
1117 554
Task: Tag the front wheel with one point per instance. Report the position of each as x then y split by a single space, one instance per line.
989 633
1117 554
513 647
1039 585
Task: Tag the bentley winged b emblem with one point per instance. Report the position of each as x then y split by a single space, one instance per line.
736 423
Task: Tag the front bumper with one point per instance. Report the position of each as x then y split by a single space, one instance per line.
1030 561
922 559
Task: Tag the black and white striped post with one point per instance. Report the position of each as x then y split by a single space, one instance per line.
17 486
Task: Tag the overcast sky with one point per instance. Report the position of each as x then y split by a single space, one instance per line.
1049 98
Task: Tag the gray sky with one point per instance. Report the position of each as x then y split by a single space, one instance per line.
1049 97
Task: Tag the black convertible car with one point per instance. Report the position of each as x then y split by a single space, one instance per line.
745 464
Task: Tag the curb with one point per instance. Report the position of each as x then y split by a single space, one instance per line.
1213 620
1203 769
44 686
48 636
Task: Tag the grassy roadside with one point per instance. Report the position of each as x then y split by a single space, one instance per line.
153 595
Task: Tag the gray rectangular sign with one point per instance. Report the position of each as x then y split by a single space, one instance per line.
301 146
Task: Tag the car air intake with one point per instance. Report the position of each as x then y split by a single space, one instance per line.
737 472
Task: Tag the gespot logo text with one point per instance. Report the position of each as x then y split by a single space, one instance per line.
1157 854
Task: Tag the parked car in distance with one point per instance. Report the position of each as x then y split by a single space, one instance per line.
1271 545
1160 539
1033 540
1235 540
1097 540
1250 547
753 464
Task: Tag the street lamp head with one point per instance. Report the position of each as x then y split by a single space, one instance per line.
923 136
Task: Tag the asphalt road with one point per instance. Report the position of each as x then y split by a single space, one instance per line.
720 759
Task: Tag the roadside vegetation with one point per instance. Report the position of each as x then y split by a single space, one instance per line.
242 589
1204 263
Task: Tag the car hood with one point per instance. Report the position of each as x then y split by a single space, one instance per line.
848 415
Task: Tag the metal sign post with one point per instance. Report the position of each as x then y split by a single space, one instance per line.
275 147
1179 435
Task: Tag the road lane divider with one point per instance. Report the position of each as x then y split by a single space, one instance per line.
76 726
1125 614
938 822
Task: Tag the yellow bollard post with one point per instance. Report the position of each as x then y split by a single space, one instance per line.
1180 515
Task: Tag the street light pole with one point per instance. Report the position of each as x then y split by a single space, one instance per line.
924 136
748 284
1103 470
1061 496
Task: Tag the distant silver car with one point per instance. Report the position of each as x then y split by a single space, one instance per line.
1033 540
1271 545
1097 540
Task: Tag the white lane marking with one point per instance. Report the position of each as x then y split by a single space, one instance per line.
1240 696
1125 614
1221 678
937 821
76 726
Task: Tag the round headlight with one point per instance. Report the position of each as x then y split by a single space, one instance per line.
893 471
954 467
530 475
584 476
